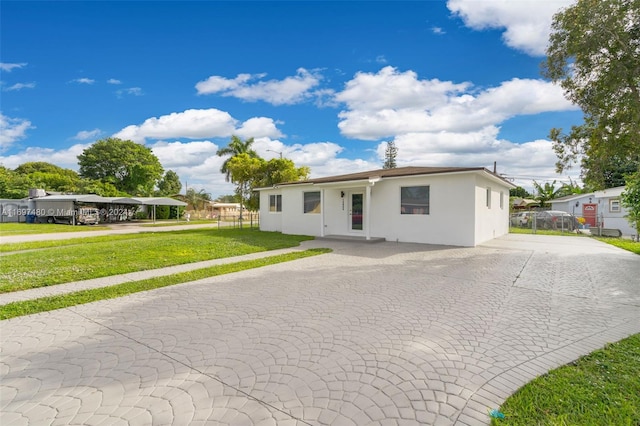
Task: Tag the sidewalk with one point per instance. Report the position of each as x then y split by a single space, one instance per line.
71 287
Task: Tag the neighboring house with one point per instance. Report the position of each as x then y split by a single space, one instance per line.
599 208
524 204
227 209
432 205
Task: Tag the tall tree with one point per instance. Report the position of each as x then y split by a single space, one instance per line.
272 172
243 170
631 200
594 53
519 192
14 185
390 154
129 166
169 184
236 147
49 176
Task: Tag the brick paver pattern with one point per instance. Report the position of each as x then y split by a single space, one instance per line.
371 334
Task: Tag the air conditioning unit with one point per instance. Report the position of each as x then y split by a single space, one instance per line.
37 193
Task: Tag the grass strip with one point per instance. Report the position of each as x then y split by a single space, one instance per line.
98 257
8 229
50 303
566 233
602 388
632 246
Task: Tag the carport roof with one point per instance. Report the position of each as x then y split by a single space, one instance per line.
92 198
159 201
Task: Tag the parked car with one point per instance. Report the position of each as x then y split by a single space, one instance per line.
522 219
556 219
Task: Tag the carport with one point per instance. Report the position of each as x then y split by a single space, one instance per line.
158 201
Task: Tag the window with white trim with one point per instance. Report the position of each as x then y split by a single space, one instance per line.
614 206
312 202
414 199
489 197
501 200
275 203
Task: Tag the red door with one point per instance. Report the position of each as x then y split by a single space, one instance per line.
590 213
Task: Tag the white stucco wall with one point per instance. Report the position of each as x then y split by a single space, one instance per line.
269 221
457 212
450 218
493 220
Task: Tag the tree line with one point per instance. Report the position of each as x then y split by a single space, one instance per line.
113 167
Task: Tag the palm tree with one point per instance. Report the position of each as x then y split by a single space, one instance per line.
545 193
236 146
194 198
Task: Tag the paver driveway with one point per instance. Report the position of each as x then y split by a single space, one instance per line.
371 334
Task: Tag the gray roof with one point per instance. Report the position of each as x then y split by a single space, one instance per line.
397 172
159 201
92 198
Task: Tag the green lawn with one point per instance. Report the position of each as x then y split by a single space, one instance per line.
28 307
54 262
632 246
8 229
602 388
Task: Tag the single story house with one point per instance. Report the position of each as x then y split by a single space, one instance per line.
599 208
227 209
524 203
460 206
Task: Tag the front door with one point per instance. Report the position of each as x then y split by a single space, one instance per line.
590 214
356 211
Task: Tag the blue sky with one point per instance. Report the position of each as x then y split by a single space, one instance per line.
453 83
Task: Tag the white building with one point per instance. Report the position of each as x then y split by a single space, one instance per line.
599 208
432 205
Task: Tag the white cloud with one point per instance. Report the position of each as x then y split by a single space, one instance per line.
291 90
520 161
8 67
191 124
134 91
114 81
66 158
87 134
174 155
390 88
198 123
437 31
391 103
12 130
83 80
20 86
258 127
527 23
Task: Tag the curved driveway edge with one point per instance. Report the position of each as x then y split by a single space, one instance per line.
369 334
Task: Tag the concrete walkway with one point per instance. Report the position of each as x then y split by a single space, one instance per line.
380 333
